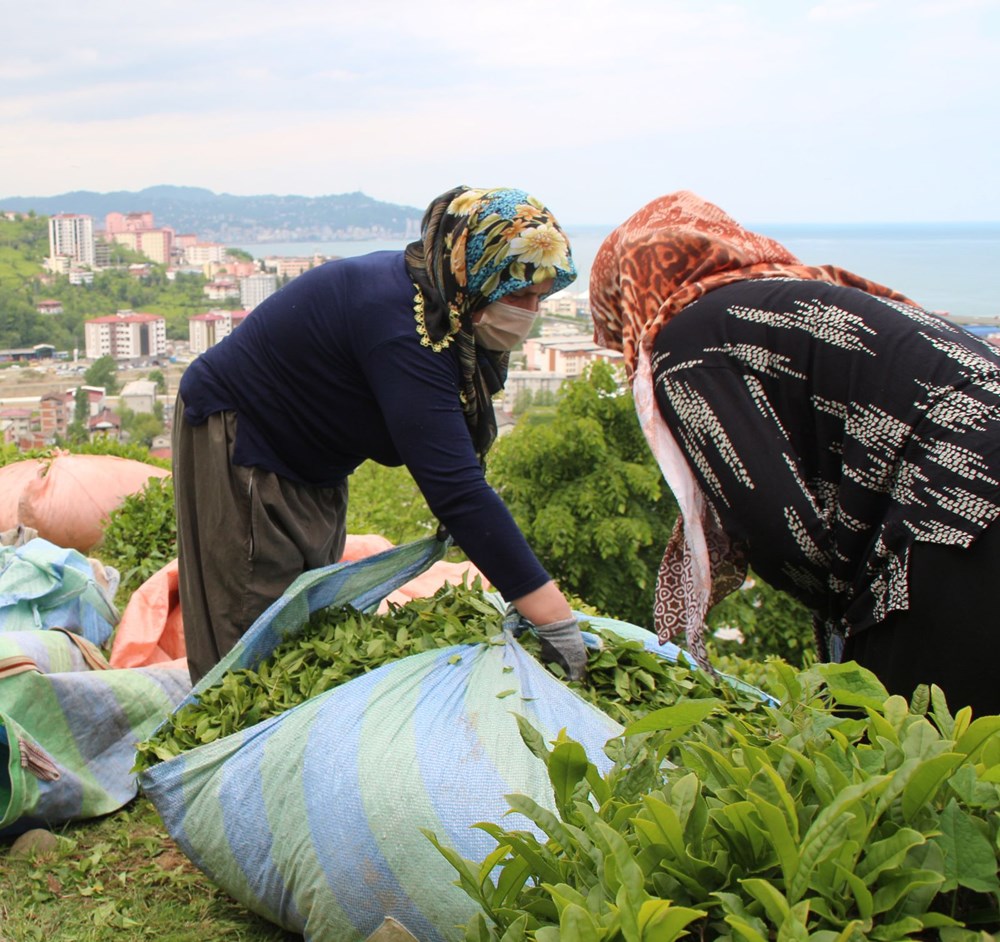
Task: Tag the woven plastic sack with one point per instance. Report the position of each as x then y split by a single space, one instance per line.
313 818
69 725
68 498
47 586
151 629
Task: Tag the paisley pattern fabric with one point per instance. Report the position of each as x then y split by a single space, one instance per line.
477 246
676 595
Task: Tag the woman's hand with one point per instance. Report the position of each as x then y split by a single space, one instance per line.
557 628
563 643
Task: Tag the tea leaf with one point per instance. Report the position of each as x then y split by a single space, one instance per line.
887 854
659 921
577 925
773 901
923 785
978 735
675 718
969 860
567 768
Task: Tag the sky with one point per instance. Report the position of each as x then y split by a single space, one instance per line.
776 110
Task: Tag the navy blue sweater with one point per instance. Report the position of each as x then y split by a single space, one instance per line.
328 372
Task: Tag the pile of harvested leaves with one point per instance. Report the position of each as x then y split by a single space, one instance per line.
339 643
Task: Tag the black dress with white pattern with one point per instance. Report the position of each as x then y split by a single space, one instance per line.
829 430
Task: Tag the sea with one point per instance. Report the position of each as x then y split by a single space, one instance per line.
952 268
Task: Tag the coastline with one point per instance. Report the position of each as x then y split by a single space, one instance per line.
944 267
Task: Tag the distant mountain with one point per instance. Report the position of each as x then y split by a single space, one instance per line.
221 217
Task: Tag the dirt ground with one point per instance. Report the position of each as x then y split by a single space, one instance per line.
23 381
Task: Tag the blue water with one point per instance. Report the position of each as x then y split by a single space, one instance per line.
945 267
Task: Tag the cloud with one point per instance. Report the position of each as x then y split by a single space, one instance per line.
842 11
845 108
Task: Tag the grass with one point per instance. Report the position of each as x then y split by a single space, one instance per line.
120 877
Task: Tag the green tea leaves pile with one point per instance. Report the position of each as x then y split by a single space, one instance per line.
624 680
336 645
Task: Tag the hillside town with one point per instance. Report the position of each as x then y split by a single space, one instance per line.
235 283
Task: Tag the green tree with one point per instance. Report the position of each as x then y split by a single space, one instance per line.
386 501
121 254
142 427
589 497
156 376
103 372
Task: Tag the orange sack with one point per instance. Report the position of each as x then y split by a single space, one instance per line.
150 631
67 498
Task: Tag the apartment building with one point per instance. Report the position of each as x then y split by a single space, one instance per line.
563 304
230 267
138 395
203 253
126 335
105 424
128 222
155 244
291 267
221 288
206 330
54 413
72 235
566 356
530 382
256 288
16 422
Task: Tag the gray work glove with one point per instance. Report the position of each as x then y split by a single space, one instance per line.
563 643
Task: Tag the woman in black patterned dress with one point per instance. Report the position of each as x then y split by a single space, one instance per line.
822 429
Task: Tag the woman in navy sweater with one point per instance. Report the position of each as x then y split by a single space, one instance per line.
393 357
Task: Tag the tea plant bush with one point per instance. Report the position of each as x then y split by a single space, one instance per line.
141 535
843 814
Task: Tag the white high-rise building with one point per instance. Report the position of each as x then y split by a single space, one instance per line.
72 235
254 288
206 330
126 335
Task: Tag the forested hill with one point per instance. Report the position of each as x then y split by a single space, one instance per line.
23 245
221 217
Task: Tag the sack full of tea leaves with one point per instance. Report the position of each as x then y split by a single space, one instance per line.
68 727
47 586
315 817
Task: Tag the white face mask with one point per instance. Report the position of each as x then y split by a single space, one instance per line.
503 326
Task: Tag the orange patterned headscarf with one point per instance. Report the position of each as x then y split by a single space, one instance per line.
673 251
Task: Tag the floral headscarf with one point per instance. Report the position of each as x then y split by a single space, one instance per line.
657 262
476 246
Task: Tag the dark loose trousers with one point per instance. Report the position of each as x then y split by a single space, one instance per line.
950 635
243 536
